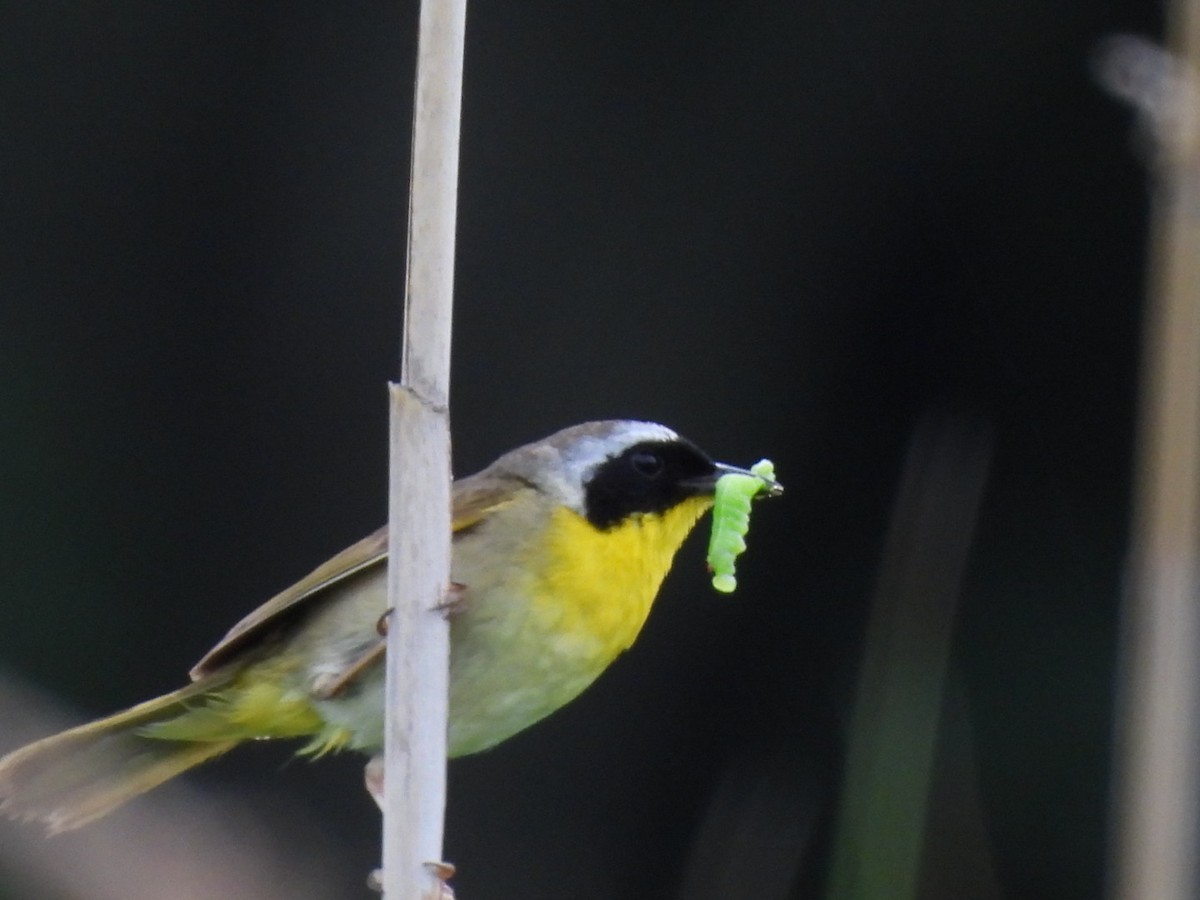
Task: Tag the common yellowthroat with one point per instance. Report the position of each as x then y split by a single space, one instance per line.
559 550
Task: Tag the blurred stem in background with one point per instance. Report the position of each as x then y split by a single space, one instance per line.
881 829
1156 797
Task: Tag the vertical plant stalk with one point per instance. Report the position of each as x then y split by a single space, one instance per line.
419 490
880 832
1157 791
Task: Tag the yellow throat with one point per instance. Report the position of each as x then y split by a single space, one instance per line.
599 585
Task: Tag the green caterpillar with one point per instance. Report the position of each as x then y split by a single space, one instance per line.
731 520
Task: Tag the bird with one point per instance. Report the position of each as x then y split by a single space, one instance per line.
559 549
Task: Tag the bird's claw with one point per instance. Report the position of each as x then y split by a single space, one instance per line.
442 871
454 601
381 624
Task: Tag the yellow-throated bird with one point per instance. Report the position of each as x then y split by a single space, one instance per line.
559 549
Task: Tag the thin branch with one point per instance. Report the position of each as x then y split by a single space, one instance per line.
419 498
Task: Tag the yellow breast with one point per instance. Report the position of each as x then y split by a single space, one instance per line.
543 622
597 586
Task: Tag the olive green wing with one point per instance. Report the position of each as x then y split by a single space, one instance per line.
473 501
365 554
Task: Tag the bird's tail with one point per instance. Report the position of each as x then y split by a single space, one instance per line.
72 778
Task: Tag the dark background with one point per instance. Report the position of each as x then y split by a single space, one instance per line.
785 229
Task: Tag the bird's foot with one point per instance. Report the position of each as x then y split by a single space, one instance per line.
442 871
329 685
381 624
373 779
453 603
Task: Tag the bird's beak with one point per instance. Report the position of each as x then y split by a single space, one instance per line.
706 484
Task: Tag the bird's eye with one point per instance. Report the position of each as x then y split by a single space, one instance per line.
647 464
